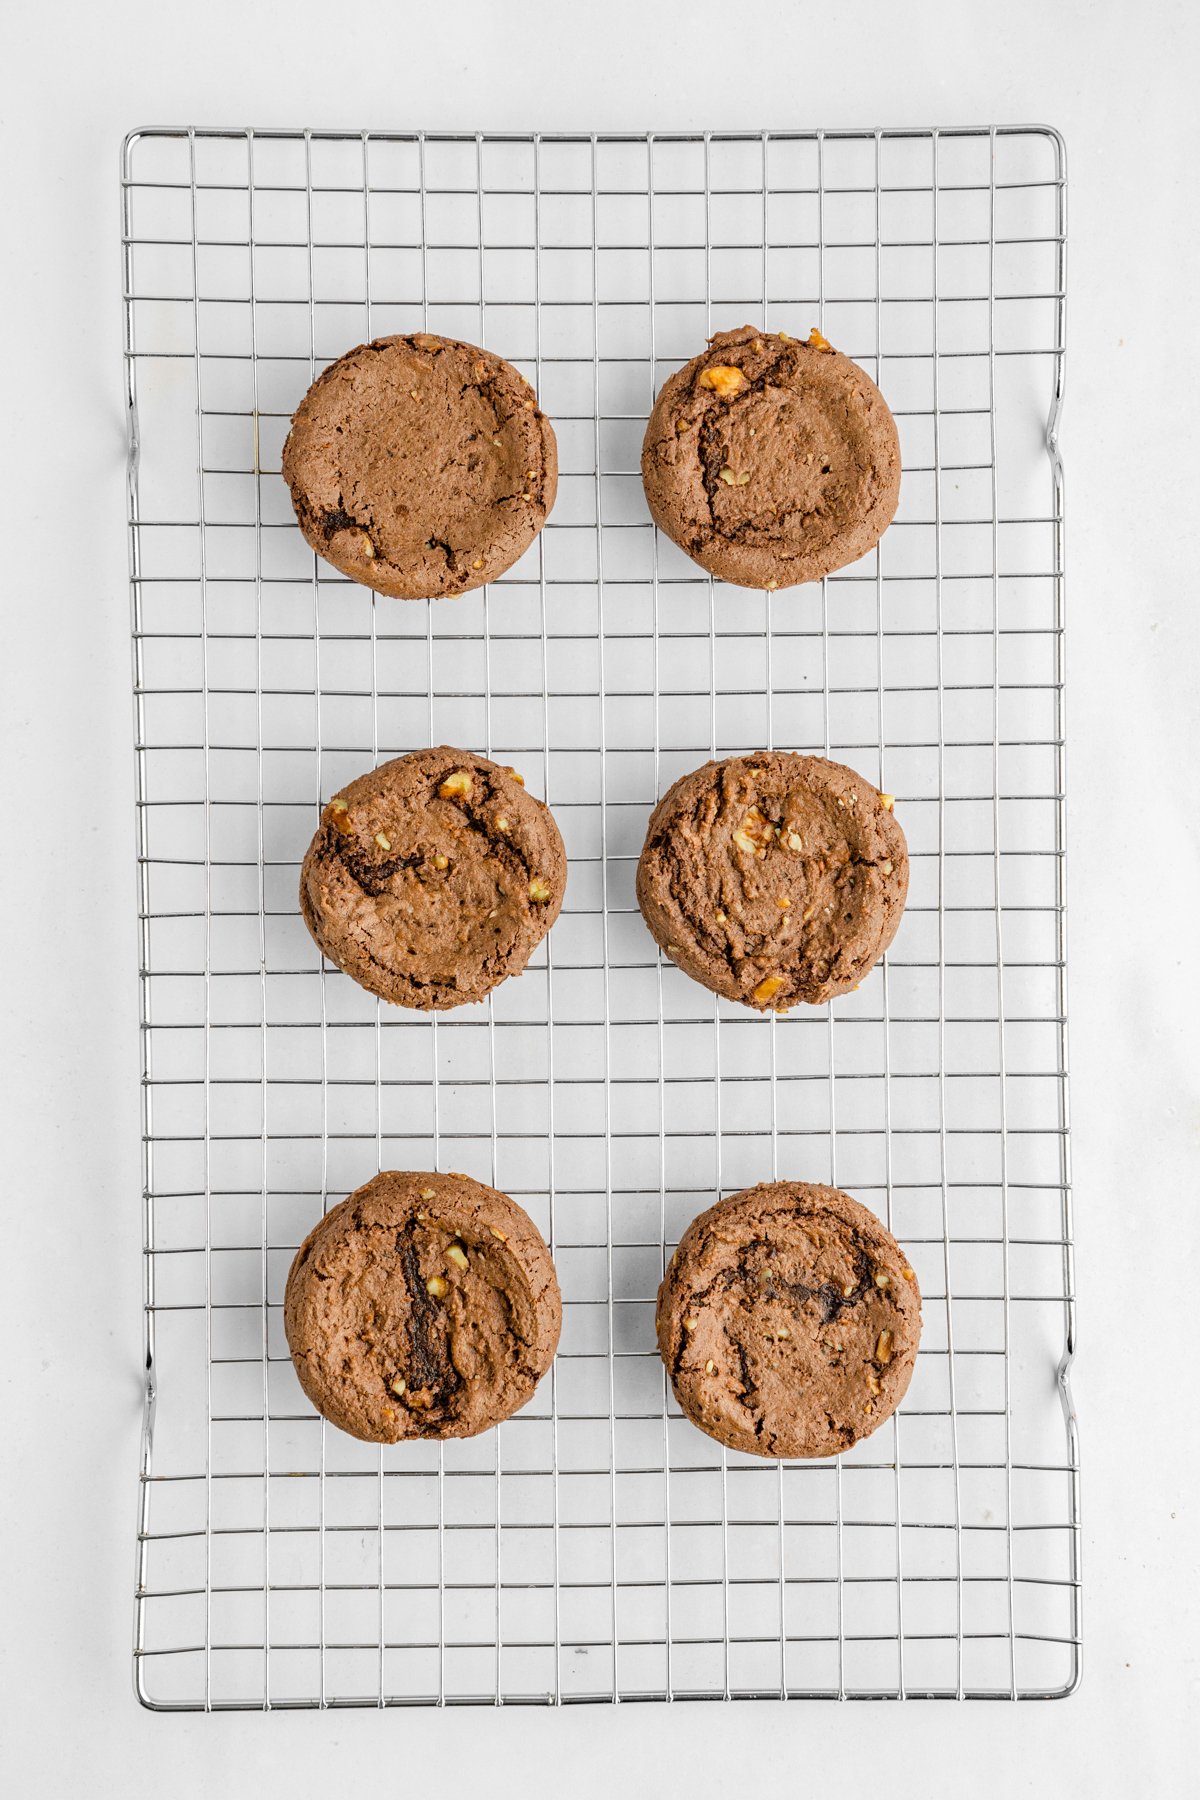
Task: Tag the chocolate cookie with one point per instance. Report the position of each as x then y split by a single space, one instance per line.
771 461
789 1321
774 878
433 877
420 466
423 1306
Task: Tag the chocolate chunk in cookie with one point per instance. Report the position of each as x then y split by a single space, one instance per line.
771 461
420 466
788 1321
432 878
423 1306
774 878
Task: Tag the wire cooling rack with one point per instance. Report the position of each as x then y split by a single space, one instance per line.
598 1547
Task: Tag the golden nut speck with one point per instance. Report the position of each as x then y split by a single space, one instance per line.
724 380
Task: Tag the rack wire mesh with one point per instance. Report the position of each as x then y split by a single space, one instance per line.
597 1547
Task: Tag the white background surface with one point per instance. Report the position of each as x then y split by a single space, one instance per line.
1119 80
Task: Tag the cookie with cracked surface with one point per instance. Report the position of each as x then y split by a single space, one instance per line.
433 878
420 466
789 1321
424 1306
771 461
774 878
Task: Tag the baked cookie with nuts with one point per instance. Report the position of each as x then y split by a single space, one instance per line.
771 460
433 878
774 878
420 466
789 1320
424 1306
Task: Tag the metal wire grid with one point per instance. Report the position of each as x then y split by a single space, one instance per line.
597 1546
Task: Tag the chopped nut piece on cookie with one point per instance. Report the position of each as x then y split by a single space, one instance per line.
724 380
755 835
